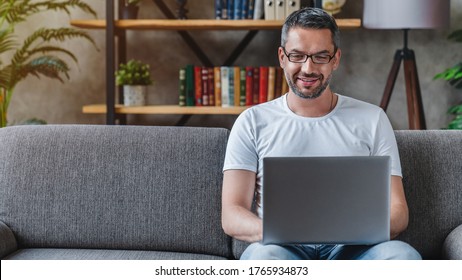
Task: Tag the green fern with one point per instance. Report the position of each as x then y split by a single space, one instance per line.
453 76
36 55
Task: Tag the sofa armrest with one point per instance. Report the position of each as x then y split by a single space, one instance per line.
452 247
7 241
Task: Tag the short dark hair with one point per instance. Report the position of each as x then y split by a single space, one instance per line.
314 18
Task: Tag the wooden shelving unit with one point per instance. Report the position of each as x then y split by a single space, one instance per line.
116 28
198 24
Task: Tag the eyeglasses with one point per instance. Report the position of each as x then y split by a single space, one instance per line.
317 58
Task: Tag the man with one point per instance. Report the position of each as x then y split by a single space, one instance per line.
310 120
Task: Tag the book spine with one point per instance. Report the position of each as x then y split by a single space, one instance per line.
217 85
182 87
271 82
258 9
190 85
242 76
198 85
237 85
292 6
263 88
211 86
249 86
256 84
224 86
205 86
278 83
250 10
218 9
224 9
285 86
245 9
237 9
231 9
231 86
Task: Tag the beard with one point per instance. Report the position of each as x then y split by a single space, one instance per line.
316 92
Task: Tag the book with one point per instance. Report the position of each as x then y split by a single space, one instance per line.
217 85
190 85
258 9
242 76
278 83
237 9
263 87
248 85
237 85
231 9
285 86
256 84
224 86
250 9
231 86
211 86
245 8
224 9
271 82
198 85
218 9
182 87
205 86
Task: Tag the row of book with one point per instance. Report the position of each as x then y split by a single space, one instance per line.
255 9
228 86
238 9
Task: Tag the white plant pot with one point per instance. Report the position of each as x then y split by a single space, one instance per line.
135 95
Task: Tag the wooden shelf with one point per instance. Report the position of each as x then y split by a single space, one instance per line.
199 24
165 109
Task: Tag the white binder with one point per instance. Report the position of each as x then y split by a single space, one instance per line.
280 9
292 6
270 10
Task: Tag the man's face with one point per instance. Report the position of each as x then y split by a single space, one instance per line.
308 80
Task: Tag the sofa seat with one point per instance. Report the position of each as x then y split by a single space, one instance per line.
94 254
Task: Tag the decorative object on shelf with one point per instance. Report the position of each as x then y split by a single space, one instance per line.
181 11
333 6
405 15
39 54
134 76
130 9
454 76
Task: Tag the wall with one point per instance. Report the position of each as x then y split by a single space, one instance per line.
366 61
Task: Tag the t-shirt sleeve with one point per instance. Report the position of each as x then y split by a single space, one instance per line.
241 149
385 143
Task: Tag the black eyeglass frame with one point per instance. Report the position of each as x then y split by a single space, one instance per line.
308 56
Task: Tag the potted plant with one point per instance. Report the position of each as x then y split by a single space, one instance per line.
40 54
130 9
134 76
454 76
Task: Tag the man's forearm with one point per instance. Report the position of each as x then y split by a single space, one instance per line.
242 224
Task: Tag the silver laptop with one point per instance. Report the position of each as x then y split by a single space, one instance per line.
326 200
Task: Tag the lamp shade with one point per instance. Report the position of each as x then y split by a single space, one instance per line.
406 14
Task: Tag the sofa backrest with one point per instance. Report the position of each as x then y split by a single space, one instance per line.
114 187
432 176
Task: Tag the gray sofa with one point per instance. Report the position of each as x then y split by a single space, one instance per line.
134 192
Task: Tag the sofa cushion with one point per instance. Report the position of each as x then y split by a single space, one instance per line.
114 187
91 254
452 247
432 164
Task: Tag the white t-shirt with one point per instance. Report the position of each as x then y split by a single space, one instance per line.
352 128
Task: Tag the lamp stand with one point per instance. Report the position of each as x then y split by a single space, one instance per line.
414 98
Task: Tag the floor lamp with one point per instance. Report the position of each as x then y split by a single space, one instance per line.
406 15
